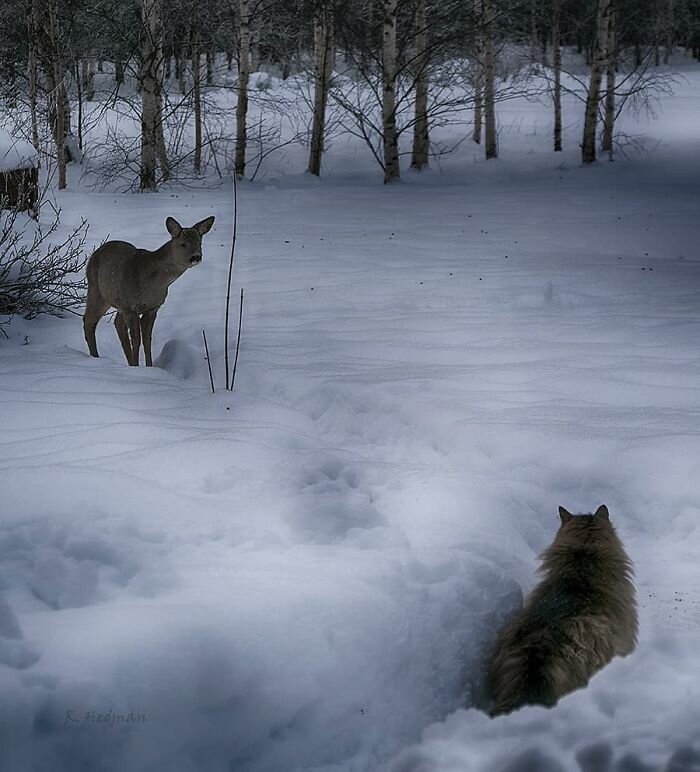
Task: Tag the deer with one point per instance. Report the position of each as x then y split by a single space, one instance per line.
135 282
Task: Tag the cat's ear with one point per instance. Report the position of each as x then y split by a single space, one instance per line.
564 515
602 512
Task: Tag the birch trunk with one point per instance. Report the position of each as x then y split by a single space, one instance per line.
392 172
32 73
210 68
87 76
324 47
490 139
79 83
606 144
180 71
600 57
196 90
59 94
556 59
243 78
150 45
478 78
160 123
421 138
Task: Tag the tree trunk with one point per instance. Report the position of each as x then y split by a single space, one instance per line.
119 72
210 68
392 172
478 78
606 144
87 77
59 94
150 46
160 124
243 78
421 138
490 139
80 77
32 73
196 90
180 71
324 48
600 57
556 57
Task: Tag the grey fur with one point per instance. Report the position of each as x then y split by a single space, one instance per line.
135 282
581 615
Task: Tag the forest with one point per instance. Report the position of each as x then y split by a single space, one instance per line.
427 289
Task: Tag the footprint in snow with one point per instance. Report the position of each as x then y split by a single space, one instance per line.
334 501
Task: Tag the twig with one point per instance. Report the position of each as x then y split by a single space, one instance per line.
230 273
206 350
238 342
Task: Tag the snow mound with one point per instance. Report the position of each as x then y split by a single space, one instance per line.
16 153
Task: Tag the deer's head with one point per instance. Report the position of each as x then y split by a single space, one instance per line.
186 243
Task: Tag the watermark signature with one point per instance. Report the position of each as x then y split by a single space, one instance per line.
108 718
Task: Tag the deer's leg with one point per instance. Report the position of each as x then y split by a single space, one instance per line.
147 321
123 334
133 323
95 309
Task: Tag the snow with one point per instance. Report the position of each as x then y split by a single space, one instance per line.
307 574
16 153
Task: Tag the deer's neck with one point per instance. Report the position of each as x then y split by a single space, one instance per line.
162 264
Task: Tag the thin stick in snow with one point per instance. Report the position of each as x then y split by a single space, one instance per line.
206 351
238 342
230 274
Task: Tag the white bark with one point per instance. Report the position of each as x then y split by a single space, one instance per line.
58 95
588 148
196 90
32 73
490 138
556 55
324 49
421 137
606 144
243 78
390 137
150 46
478 78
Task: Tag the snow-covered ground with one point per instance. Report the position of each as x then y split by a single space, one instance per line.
307 574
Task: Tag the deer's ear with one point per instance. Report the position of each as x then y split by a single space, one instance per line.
204 226
173 226
564 515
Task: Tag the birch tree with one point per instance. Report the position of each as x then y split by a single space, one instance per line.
421 143
243 78
324 47
390 138
598 64
606 144
150 46
196 87
478 78
58 96
490 139
32 70
556 63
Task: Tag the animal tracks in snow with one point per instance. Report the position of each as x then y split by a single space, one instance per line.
335 500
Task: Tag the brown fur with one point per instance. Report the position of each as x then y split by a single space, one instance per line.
135 282
581 615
